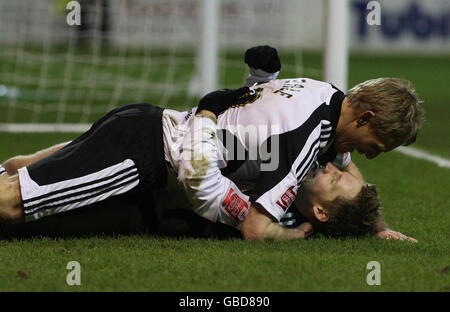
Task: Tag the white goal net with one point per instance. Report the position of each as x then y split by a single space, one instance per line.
164 52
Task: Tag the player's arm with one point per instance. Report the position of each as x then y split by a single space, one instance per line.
258 225
381 229
212 195
15 163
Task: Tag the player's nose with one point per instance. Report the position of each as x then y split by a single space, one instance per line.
329 168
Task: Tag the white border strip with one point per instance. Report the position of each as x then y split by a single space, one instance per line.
416 153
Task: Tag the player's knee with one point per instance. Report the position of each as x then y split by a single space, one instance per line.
11 206
13 164
15 215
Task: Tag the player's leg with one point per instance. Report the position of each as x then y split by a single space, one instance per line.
10 199
121 154
111 217
10 167
13 164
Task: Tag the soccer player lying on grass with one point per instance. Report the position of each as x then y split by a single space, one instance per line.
305 121
317 190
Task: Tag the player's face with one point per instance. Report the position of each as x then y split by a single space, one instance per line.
363 140
327 183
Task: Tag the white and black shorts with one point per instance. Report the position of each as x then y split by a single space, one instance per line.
122 154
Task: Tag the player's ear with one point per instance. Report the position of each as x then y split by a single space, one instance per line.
364 117
320 213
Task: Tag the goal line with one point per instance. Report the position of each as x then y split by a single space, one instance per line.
79 128
39 128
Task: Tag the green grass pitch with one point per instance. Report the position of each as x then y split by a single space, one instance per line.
415 200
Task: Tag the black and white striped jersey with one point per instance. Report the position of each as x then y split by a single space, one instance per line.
264 148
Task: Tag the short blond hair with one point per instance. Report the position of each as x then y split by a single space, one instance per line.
397 108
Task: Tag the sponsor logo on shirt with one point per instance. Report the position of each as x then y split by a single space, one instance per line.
287 198
236 207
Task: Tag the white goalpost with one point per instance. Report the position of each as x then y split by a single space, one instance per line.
335 61
206 79
60 78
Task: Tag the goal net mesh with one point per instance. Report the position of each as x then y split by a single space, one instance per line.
137 51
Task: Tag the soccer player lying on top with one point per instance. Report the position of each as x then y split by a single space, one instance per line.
300 123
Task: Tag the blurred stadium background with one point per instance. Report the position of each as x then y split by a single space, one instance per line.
55 77
158 51
171 52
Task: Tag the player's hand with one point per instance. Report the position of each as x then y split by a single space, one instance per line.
389 234
306 228
263 57
219 101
